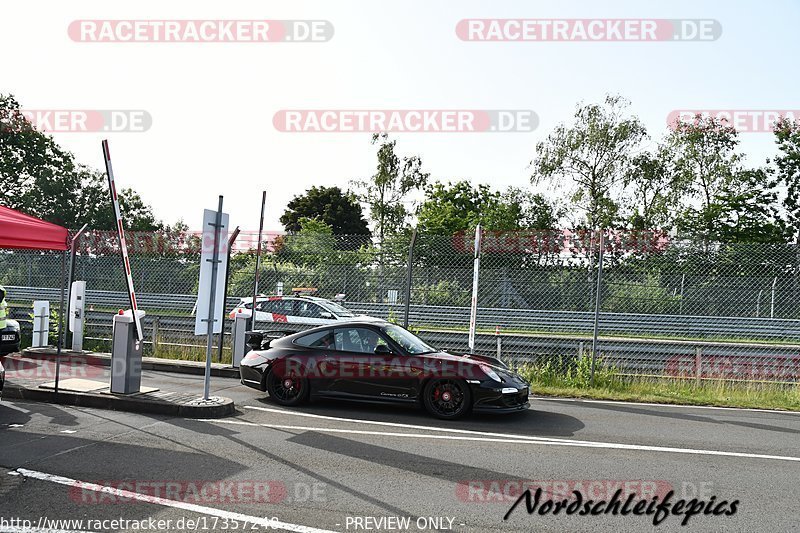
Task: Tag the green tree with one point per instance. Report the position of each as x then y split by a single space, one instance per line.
704 163
43 180
138 215
386 191
310 246
27 158
535 210
453 207
329 205
746 210
787 137
652 191
590 158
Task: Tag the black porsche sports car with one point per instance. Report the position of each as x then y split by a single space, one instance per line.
376 361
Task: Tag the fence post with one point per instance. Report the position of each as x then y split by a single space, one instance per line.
580 349
257 273
231 241
409 268
597 304
772 303
698 364
156 325
473 316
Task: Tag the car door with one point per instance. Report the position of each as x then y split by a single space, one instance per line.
364 373
307 312
282 310
264 310
321 360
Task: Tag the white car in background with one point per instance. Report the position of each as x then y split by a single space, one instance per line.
305 310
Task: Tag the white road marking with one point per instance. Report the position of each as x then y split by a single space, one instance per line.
507 437
671 405
392 424
68 431
261 521
360 431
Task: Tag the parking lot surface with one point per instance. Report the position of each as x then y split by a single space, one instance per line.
338 466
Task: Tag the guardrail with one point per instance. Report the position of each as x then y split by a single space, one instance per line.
641 356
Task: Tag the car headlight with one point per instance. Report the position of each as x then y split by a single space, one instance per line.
491 373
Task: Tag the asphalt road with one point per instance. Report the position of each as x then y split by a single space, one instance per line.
354 467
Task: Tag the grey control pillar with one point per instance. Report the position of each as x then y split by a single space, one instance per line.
77 299
240 321
126 354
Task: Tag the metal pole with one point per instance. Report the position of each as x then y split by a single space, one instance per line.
258 260
409 268
772 303
231 240
597 304
698 364
211 300
683 279
758 303
156 327
473 315
60 342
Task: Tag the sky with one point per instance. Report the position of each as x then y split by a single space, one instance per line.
212 104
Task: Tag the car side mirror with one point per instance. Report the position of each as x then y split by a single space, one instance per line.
382 349
325 314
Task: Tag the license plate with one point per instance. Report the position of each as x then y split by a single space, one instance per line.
11 337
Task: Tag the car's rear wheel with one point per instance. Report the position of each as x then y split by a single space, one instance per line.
288 389
448 399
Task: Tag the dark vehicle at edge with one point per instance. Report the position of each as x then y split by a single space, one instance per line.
10 337
375 361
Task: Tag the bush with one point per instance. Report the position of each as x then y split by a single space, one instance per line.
570 372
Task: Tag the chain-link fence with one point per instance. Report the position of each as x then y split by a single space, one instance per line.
656 307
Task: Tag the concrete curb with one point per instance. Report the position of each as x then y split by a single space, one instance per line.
132 404
148 363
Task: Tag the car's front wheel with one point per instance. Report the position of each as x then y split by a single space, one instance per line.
448 399
288 390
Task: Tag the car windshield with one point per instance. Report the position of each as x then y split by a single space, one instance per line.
336 308
410 342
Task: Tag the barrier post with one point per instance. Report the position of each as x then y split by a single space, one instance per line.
698 364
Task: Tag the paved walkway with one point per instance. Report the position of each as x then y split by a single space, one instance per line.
84 379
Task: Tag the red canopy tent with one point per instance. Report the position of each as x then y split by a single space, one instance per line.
21 231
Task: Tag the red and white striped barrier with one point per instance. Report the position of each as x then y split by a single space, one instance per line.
123 246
